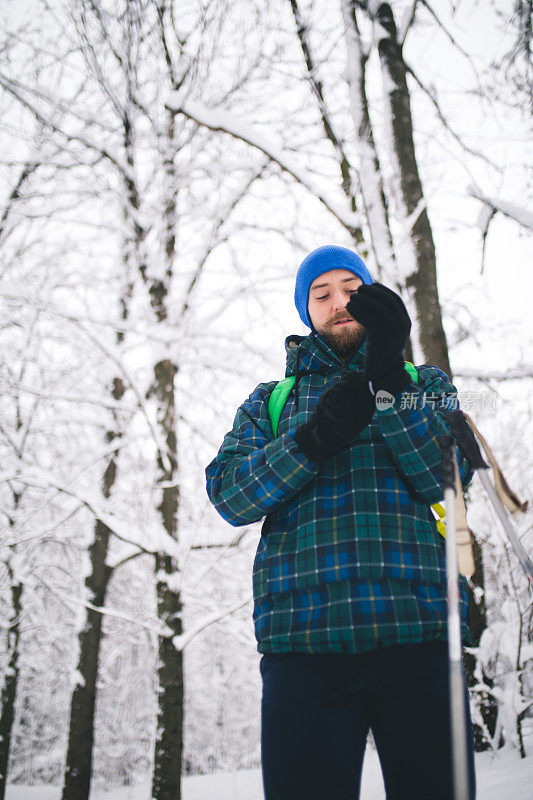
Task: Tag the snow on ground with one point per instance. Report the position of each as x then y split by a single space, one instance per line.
502 777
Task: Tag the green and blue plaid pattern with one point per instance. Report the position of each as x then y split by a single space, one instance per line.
349 557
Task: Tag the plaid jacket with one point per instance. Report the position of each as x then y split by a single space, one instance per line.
349 557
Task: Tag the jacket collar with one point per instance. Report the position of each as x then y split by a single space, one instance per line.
312 354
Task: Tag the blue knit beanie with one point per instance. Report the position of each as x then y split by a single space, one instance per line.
321 260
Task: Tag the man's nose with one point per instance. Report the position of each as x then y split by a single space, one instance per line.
340 300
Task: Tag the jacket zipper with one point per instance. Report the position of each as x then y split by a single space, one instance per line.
343 363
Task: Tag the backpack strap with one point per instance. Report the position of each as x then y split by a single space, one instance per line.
277 400
412 370
440 515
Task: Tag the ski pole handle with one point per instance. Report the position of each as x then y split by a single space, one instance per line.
465 438
447 450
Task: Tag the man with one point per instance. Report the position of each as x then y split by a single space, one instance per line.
349 575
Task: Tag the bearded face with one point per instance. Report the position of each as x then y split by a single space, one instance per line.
328 297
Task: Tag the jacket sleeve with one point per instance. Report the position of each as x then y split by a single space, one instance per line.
253 474
412 427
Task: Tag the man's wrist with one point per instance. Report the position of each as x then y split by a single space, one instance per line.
309 441
393 380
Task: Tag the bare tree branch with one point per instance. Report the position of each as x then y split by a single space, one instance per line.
452 39
511 210
181 642
106 612
514 373
407 21
223 122
213 239
15 194
431 94
14 88
327 124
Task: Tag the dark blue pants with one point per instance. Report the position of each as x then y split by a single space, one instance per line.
318 709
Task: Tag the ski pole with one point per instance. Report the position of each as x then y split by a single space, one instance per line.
461 774
466 439
516 544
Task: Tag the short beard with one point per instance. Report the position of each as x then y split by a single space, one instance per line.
344 343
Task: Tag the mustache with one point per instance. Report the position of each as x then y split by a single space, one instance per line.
342 317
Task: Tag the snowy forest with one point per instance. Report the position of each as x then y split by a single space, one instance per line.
165 165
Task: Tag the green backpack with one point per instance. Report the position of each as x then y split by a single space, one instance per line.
276 404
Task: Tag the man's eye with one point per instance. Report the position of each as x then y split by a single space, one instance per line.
324 297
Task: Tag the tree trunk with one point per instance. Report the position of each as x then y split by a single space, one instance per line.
423 278
9 688
166 779
78 768
488 705
423 270
11 675
166 782
370 175
370 183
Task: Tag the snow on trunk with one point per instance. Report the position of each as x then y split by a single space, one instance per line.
419 257
370 178
11 676
166 778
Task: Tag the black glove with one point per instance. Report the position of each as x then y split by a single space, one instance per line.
384 315
342 412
